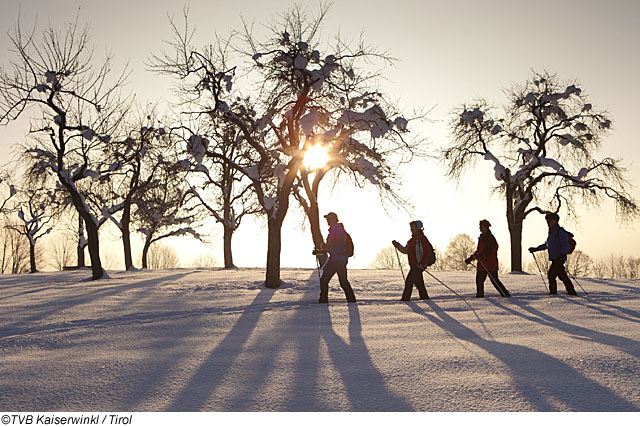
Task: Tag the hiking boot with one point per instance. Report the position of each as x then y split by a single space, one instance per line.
323 301
553 293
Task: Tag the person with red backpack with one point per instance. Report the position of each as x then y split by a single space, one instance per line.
558 245
487 256
339 247
421 255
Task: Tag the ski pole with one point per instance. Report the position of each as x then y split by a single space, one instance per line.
440 281
540 271
490 277
578 283
318 269
400 264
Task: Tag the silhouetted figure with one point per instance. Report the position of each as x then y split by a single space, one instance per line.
557 245
418 250
337 248
487 256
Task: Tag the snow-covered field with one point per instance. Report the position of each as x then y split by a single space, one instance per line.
216 340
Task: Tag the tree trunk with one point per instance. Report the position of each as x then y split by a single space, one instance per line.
32 257
515 234
316 232
94 250
81 246
145 251
514 222
228 254
274 244
126 236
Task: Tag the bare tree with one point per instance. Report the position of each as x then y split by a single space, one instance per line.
35 213
579 263
289 111
61 249
162 256
135 163
15 250
55 74
205 260
459 248
222 189
165 209
387 259
542 145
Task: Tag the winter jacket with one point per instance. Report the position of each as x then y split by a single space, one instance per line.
487 252
417 249
336 245
557 243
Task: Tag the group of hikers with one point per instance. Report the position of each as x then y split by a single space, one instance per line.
420 253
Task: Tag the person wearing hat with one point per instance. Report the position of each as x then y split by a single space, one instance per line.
418 250
487 256
557 245
336 247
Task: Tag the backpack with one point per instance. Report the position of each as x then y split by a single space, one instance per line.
432 254
349 245
572 243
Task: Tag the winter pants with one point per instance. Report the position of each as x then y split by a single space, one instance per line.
557 270
414 278
330 269
493 277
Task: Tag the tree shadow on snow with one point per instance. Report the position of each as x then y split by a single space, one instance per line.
539 377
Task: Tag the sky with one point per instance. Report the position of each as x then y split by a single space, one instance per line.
448 52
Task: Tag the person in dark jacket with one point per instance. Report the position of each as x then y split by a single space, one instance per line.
418 250
336 247
487 256
557 245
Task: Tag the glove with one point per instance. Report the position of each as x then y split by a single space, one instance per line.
395 244
468 260
421 267
478 256
318 252
532 249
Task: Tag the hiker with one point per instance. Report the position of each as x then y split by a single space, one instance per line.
418 250
336 247
557 245
487 256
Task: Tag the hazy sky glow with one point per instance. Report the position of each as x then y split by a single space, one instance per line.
448 53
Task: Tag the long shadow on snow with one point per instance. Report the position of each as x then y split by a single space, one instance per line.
99 290
536 375
351 360
212 372
626 345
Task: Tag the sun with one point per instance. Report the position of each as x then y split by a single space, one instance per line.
315 157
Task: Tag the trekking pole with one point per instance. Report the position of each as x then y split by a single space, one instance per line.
440 281
318 264
578 283
490 277
540 271
400 264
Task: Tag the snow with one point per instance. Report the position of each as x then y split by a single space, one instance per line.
498 169
218 340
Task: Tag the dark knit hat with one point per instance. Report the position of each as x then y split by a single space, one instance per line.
552 215
485 222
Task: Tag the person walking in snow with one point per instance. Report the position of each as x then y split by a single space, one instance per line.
418 250
337 246
487 256
557 245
